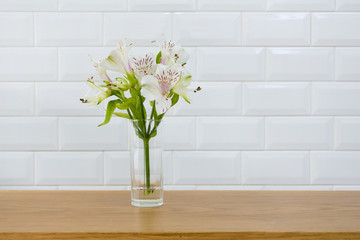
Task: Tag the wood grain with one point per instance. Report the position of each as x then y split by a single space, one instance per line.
186 215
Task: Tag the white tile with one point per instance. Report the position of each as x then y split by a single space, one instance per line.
299 133
301 5
83 133
336 98
76 65
149 27
16 168
335 167
276 98
28 133
94 188
299 188
51 100
335 29
29 188
93 5
232 5
19 98
192 62
69 168
347 133
214 99
16 29
28 5
276 29
230 188
347 64
275 167
211 29
68 29
181 188
162 5
117 168
207 167
179 133
28 64
221 64
300 64
167 167
348 5
231 133
347 188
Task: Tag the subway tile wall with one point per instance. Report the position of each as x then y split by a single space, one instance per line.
279 109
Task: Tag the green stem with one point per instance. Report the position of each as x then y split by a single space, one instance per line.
151 117
142 115
135 125
147 164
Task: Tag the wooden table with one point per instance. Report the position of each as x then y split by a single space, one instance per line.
219 215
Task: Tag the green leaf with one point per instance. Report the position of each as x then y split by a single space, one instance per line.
153 134
133 92
174 99
132 79
109 111
158 58
123 115
127 103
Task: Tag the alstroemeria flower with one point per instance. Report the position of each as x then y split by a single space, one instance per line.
100 70
158 86
118 59
143 66
97 98
182 86
170 51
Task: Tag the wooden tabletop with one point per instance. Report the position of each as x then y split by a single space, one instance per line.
186 214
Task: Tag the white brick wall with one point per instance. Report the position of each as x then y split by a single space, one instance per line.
279 109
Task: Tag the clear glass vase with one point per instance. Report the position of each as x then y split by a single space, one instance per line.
146 163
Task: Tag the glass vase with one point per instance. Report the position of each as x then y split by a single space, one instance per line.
146 163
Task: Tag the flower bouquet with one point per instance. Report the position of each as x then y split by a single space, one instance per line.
146 88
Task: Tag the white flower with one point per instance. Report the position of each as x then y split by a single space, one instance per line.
144 65
158 87
100 70
97 98
171 52
182 86
118 59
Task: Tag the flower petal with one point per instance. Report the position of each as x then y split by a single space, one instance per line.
182 87
150 88
180 55
162 104
100 70
113 62
143 65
